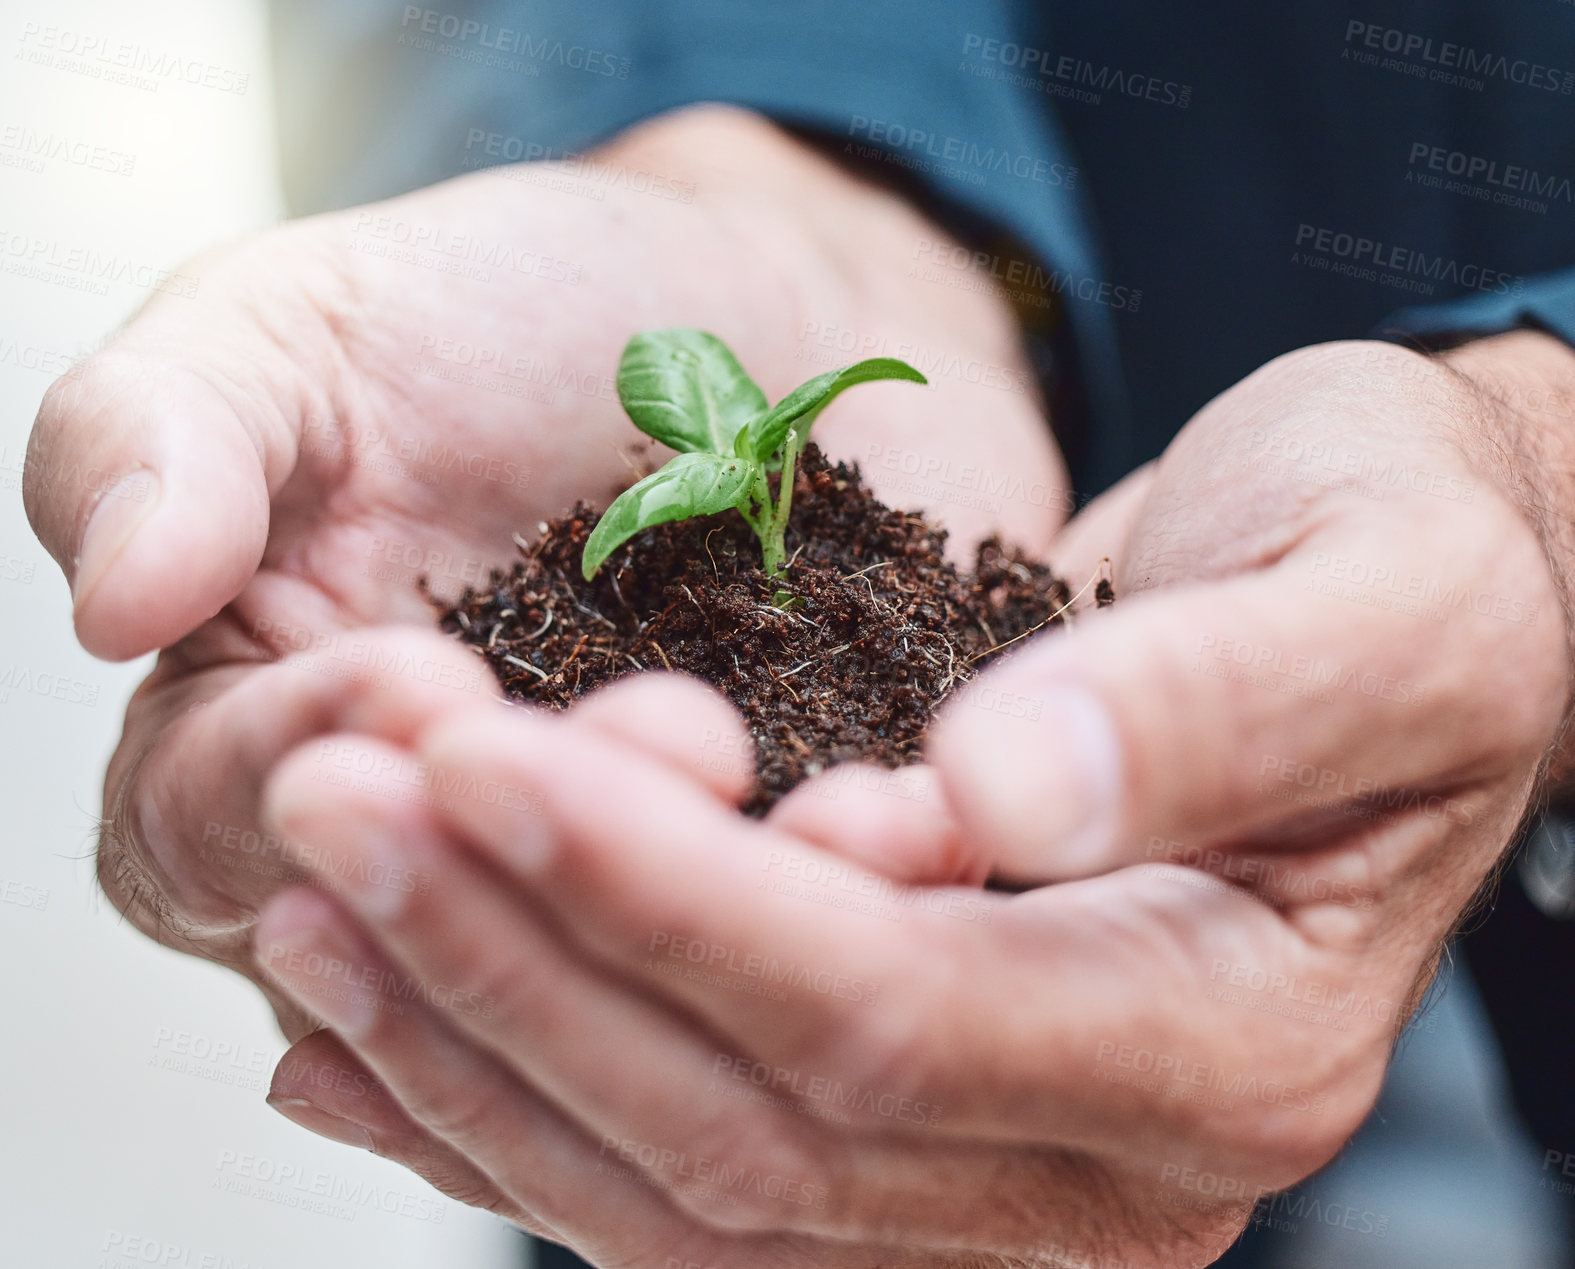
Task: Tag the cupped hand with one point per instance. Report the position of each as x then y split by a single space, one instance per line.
1269 781
263 462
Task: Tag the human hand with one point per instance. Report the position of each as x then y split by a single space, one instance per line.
1122 1064
268 465
536 1047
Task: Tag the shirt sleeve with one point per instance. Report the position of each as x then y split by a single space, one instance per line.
1545 302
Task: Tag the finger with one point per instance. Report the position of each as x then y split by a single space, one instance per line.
184 850
151 463
631 1072
919 1007
591 1193
795 983
456 1092
893 822
622 1065
1177 714
680 721
322 1086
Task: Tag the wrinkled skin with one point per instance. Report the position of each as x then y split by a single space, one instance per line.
1221 809
300 450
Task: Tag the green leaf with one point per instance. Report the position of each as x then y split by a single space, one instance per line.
803 405
687 390
690 485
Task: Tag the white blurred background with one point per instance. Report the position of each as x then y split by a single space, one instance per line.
133 1129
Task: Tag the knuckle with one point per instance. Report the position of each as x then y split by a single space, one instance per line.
762 1174
464 1112
506 992
465 1186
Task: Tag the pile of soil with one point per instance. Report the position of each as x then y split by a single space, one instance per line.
880 630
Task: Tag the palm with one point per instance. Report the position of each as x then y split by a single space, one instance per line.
409 422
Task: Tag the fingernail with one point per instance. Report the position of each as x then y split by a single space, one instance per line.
116 519
315 1119
323 977
1047 781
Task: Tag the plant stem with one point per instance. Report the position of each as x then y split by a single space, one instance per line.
760 520
773 543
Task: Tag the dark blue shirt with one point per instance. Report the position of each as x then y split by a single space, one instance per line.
1201 187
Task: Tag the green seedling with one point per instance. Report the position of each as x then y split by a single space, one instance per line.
687 390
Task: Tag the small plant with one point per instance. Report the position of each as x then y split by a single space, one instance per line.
687 390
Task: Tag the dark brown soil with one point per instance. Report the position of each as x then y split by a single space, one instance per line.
881 630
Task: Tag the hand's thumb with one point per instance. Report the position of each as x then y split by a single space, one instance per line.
142 484
151 463
1189 715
